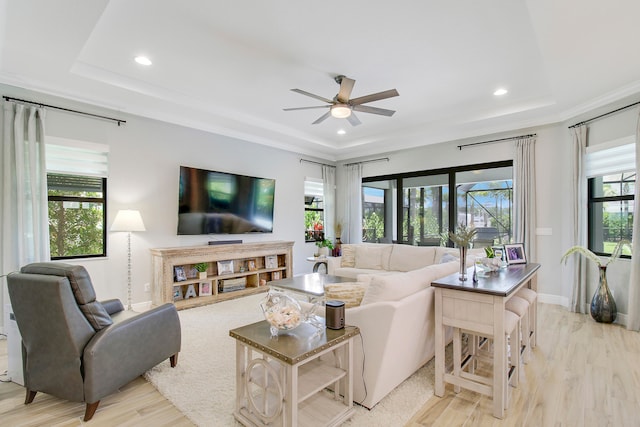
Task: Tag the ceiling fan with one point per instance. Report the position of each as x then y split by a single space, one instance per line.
342 107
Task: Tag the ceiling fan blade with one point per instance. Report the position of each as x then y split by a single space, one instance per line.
303 92
322 118
374 97
354 120
306 108
373 110
346 86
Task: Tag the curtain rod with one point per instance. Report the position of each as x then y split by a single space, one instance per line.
317 163
381 159
603 115
97 116
496 140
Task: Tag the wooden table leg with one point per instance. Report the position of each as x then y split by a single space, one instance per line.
439 343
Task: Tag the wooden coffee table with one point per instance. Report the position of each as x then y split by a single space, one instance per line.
311 285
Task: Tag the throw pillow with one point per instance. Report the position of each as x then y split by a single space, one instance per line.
447 258
348 256
349 293
369 256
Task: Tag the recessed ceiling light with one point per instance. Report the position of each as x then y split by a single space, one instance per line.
143 60
341 131
500 92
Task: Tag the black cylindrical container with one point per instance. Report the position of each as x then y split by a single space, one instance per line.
334 314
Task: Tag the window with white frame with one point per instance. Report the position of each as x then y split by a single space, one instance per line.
313 209
611 174
77 193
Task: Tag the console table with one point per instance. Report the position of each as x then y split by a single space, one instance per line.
282 381
478 308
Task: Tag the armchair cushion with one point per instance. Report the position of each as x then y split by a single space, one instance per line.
81 286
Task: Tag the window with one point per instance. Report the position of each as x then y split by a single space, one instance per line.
77 194
419 208
313 210
611 174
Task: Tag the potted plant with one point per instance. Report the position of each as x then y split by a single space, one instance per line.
603 307
462 239
202 269
324 246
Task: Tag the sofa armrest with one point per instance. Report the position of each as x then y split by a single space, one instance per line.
333 263
119 353
112 306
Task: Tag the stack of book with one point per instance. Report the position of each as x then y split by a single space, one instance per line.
229 285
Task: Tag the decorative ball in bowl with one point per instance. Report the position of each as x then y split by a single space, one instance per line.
281 311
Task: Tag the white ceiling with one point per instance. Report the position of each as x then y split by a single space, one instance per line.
228 66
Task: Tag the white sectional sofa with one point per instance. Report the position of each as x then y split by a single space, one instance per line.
396 313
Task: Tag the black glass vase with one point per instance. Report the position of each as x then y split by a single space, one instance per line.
603 306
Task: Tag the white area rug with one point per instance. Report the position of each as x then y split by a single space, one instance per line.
202 386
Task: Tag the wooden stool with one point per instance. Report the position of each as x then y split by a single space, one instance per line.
480 348
532 298
520 307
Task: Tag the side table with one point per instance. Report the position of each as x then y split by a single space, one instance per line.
319 261
282 381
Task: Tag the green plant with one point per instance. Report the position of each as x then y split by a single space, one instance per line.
489 252
595 258
324 244
463 236
201 266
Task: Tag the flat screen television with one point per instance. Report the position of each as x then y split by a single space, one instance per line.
211 202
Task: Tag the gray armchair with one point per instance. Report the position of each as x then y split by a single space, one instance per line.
80 349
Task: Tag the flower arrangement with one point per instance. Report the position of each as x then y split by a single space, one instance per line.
463 236
617 251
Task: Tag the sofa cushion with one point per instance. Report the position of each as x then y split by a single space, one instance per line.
348 256
394 287
350 293
408 257
369 256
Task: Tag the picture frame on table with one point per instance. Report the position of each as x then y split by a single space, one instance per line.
515 254
498 252
225 267
276 275
179 273
177 293
251 265
205 289
271 261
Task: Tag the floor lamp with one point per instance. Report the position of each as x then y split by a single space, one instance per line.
128 220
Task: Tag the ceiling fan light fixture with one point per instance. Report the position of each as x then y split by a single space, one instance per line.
340 111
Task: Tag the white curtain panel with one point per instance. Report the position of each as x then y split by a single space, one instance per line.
25 226
329 198
524 188
578 274
352 230
633 317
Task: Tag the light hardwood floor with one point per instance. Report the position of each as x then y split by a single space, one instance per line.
581 374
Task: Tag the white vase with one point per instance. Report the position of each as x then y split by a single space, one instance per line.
324 251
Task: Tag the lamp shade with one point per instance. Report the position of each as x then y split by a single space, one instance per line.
128 220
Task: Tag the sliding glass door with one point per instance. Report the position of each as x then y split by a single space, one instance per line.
420 208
